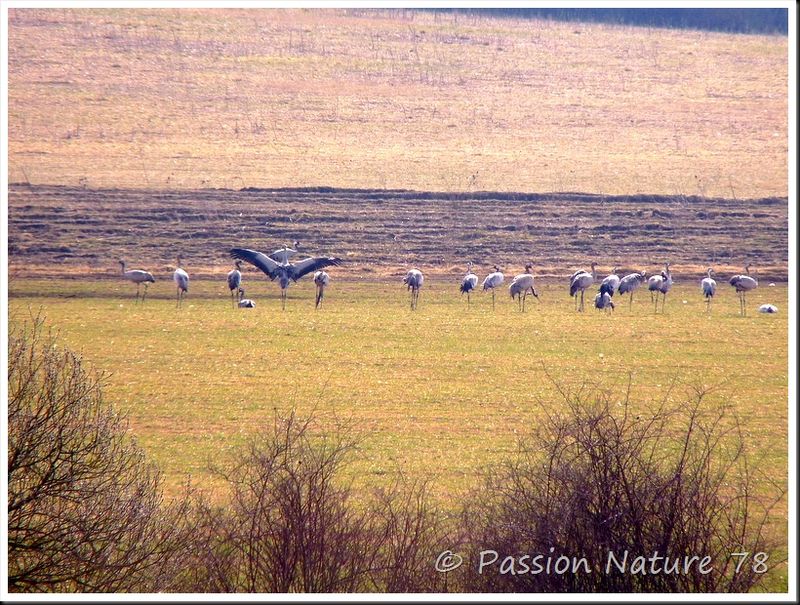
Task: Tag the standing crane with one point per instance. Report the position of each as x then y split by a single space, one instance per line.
630 283
285 272
610 283
235 281
469 283
579 282
138 277
521 285
709 287
321 279
743 284
660 284
413 281
492 281
181 279
282 255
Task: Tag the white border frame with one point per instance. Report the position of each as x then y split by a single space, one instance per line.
790 596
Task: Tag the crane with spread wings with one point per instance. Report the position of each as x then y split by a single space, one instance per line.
285 272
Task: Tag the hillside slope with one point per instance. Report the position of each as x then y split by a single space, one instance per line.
164 99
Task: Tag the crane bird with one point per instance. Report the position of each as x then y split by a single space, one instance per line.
521 285
285 272
610 283
709 287
245 303
234 281
282 255
630 283
181 279
138 277
743 284
660 284
492 281
321 279
469 283
603 301
768 309
580 281
413 281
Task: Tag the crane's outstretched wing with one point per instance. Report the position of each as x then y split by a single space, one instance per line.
257 259
312 264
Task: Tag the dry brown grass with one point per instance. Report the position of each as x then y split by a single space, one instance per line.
59 231
387 99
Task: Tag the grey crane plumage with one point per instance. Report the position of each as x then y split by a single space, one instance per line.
285 272
138 277
579 282
282 255
492 281
321 279
235 281
630 283
413 281
610 283
469 282
603 301
660 284
521 285
708 287
245 303
181 279
743 284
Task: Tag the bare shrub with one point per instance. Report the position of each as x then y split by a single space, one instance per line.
85 510
597 478
292 523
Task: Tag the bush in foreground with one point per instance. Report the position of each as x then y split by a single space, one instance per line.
293 523
85 510
598 479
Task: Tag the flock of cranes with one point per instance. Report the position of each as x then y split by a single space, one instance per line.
277 266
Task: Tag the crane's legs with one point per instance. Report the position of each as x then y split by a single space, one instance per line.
663 302
630 302
283 299
582 308
145 293
414 298
492 299
319 297
138 286
468 303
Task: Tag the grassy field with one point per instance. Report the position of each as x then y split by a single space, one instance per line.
165 99
440 392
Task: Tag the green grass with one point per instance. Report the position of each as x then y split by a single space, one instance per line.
438 393
444 390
